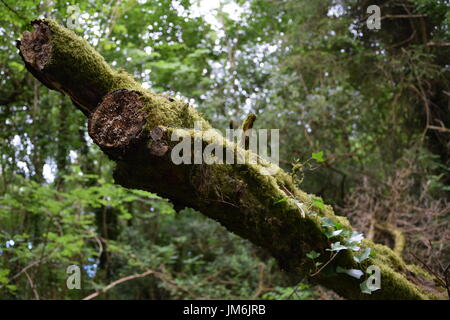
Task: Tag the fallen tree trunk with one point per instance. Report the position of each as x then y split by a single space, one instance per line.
134 126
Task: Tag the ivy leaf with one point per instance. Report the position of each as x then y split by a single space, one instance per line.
363 256
333 233
355 273
338 226
337 246
327 222
353 247
313 254
355 237
346 233
318 156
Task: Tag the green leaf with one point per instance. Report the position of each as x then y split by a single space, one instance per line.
355 237
327 222
318 203
16 67
338 226
4 276
353 247
355 273
313 254
318 156
363 256
335 233
11 287
337 246
364 288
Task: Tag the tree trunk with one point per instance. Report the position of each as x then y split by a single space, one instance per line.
134 126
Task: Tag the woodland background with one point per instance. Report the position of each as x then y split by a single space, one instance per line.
364 120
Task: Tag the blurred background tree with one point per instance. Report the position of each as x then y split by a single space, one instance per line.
375 103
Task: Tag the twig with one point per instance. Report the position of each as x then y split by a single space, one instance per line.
331 259
438 44
33 287
442 129
261 287
99 243
447 284
442 282
403 16
115 283
157 274
293 292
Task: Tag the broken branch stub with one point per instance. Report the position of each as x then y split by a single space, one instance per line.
62 61
116 125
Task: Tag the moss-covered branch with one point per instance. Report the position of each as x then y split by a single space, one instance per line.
133 126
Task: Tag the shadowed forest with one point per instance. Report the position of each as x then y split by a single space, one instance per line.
364 143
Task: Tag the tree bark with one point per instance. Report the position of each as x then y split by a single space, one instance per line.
134 126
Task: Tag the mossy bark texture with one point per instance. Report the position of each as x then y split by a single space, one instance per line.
133 126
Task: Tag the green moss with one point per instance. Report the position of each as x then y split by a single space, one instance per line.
387 256
421 272
395 284
399 241
70 54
